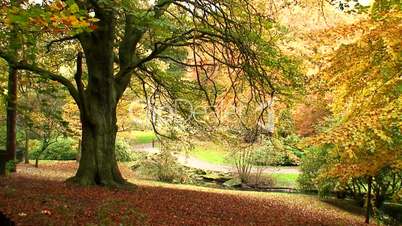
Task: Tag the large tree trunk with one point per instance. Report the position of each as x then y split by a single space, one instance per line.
98 163
98 103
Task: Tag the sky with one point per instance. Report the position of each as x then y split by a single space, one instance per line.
365 2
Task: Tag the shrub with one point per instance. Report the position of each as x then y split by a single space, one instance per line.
292 155
266 155
167 168
312 162
243 158
123 152
11 166
262 180
316 161
161 166
60 149
277 152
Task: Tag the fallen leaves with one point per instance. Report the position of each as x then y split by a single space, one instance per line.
37 200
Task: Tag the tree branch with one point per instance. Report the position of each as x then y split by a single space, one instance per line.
52 76
49 45
43 72
127 48
78 77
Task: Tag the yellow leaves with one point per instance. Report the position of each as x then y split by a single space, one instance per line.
71 20
397 165
57 6
381 134
362 43
364 81
350 153
363 165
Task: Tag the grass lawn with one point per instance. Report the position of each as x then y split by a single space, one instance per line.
287 180
211 153
40 197
278 179
143 137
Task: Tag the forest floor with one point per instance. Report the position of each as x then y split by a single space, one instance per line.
39 196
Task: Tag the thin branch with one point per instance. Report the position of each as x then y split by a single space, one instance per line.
52 76
49 45
78 77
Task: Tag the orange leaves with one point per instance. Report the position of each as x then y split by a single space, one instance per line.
73 21
364 166
57 6
92 27
364 80
49 202
54 17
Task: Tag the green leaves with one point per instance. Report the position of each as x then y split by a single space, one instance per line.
73 8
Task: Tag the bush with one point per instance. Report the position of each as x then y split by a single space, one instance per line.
312 162
278 152
161 166
266 155
293 155
386 183
123 152
167 168
11 166
61 149
262 180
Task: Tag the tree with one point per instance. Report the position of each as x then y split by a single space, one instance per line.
40 113
133 39
363 79
17 16
11 142
369 125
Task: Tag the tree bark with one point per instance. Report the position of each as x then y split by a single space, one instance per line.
368 201
97 104
98 165
26 151
11 113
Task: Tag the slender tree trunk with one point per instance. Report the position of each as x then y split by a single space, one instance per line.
11 143
11 113
26 151
78 157
368 201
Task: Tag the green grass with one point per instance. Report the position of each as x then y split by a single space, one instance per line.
288 180
211 153
143 137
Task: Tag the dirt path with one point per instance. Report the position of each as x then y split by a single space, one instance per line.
193 162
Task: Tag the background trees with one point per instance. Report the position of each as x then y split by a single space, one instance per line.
216 55
361 139
130 39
